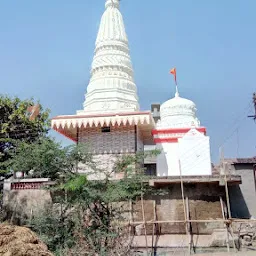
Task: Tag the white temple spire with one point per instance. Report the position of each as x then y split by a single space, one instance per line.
112 3
111 87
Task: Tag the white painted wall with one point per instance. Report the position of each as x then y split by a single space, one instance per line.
194 155
168 160
193 152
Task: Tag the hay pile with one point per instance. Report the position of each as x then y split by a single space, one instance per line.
20 241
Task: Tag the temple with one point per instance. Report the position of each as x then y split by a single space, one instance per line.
111 122
197 202
184 146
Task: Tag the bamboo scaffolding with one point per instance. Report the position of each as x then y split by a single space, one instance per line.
226 220
189 226
130 218
153 228
223 215
229 225
184 207
175 221
144 222
190 221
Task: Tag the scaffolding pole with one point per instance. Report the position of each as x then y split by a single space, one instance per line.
144 222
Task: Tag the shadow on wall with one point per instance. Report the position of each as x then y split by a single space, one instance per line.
13 211
20 205
238 205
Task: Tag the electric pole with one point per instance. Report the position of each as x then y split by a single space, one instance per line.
254 103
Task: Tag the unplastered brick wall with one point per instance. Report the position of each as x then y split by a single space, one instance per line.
204 204
120 139
140 144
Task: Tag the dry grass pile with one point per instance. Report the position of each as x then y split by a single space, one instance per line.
20 241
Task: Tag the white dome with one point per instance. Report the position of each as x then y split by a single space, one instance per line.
178 112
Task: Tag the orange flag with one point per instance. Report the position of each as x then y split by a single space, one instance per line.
173 72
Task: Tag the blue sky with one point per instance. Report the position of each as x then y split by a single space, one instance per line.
46 49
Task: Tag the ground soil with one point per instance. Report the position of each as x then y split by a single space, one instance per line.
20 241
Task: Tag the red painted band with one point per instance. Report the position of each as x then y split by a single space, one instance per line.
177 130
166 140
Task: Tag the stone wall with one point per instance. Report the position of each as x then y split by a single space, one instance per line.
105 165
22 204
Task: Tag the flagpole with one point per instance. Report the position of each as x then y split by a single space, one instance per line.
177 91
173 72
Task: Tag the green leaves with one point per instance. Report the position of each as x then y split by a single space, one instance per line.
48 159
16 127
75 184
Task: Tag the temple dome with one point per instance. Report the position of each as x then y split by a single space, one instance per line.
178 112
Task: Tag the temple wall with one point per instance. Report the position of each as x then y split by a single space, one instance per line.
120 139
105 164
168 160
140 144
108 147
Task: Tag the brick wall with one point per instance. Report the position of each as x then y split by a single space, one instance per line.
140 144
107 147
120 139
204 204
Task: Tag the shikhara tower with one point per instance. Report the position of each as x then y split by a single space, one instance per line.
111 87
110 123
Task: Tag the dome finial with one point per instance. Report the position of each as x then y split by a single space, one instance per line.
112 3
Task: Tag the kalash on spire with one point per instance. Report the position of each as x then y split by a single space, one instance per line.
110 123
111 87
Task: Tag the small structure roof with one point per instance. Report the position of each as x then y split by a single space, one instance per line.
245 160
217 179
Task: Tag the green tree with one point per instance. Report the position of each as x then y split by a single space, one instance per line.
86 214
46 158
91 212
16 126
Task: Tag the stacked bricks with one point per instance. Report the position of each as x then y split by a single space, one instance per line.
120 139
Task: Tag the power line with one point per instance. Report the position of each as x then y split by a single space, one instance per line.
236 124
